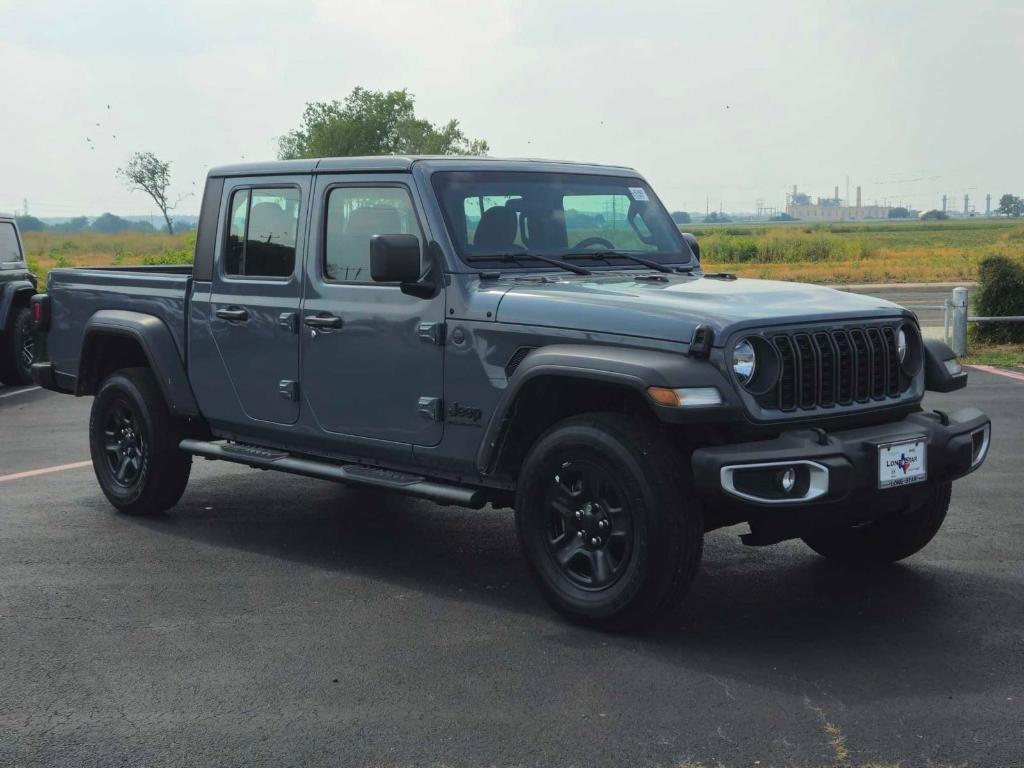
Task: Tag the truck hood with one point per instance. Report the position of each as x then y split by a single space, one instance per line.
622 304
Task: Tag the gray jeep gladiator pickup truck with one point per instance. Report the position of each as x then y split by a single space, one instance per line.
17 285
529 334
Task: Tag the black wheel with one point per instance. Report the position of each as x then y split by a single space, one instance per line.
889 539
608 521
18 349
134 444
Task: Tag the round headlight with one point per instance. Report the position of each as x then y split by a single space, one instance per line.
744 361
901 345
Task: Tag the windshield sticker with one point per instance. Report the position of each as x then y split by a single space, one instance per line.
638 193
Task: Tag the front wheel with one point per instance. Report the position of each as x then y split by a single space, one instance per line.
607 520
18 349
889 539
134 444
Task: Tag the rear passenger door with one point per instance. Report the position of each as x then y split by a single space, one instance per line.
255 295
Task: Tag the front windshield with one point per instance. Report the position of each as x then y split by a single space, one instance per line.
560 215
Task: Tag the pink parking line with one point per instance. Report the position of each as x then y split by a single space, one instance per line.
44 471
998 371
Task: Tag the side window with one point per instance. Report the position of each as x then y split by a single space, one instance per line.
354 215
9 250
262 232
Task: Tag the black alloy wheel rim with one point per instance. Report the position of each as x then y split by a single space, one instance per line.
589 524
28 351
124 448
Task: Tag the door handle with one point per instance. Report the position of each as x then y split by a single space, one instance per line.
234 314
324 322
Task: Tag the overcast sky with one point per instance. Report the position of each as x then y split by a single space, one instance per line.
728 101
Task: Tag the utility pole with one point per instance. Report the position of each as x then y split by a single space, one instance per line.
988 204
24 206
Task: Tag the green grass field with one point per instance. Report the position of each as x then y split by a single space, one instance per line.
824 253
870 252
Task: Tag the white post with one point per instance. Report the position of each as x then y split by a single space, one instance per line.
959 302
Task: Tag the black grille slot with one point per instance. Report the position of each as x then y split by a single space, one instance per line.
787 373
846 364
808 379
516 359
829 367
893 372
879 362
861 366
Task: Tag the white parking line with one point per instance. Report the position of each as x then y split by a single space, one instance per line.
19 392
44 471
998 371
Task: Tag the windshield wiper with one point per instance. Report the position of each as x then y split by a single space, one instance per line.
632 257
514 257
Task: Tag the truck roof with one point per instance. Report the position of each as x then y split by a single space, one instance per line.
399 163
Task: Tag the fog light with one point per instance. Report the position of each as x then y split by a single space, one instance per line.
953 366
787 479
980 440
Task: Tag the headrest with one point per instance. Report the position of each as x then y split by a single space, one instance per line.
496 230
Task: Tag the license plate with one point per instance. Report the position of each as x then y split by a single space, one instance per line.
903 463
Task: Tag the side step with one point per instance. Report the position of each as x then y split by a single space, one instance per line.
352 474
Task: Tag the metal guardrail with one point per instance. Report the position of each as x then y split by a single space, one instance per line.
955 321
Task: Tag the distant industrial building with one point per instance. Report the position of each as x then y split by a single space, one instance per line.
799 206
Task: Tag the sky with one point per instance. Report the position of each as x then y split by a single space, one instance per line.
718 103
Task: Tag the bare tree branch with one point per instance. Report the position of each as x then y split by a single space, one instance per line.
145 172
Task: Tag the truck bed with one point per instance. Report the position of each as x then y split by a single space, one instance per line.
77 294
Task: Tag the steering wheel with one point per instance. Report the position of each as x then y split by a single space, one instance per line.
590 242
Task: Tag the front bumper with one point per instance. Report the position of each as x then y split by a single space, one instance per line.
842 467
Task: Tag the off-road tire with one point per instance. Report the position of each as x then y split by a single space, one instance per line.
15 369
655 490
889 539
157 472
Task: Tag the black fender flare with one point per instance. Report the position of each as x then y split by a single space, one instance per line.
154 337
635 369
9 293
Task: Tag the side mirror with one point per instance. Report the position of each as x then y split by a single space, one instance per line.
395 258
691 240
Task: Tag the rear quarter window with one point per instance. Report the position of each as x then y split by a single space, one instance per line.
10 248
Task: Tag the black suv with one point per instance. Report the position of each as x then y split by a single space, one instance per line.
17 285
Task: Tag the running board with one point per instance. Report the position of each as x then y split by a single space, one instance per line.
352 474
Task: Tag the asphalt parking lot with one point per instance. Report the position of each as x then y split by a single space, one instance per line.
271 620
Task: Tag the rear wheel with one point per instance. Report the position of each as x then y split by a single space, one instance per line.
18 349
134 444
608 521
889 539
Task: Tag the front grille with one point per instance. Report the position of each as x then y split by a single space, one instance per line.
841 366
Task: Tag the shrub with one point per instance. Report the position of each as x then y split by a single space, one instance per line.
1000 292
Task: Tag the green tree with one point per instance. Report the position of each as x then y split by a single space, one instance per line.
1011 205
901 213
76 224
681 217
934 215
110 224
373 123
28 223
147 173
